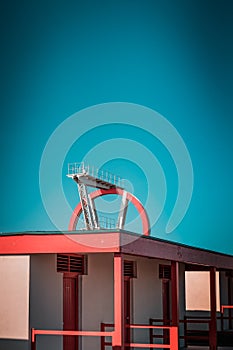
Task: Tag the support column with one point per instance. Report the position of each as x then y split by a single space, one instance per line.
175 292
230 299
213 322
118 337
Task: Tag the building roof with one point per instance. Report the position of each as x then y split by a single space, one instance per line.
109 241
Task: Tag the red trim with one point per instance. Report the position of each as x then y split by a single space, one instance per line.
62 243
138 205
118 335
223 307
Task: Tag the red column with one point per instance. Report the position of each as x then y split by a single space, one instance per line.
175 292
117 339
213 323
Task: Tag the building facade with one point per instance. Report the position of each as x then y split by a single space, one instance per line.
111 289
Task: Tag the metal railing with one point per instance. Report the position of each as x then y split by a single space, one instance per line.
36 332
200 335
229 317
107 223
164 335
173 337
85 169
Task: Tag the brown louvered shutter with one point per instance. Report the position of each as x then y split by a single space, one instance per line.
72 263
165 272
130 269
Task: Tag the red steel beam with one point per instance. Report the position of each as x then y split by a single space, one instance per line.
118 336
82 333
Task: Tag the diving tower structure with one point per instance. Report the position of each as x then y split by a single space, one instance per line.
105 183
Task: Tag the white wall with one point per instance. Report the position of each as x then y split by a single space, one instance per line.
46 307
14 302
14 297
147 296
97 297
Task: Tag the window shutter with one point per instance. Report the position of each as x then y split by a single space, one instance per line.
72 263
130 269
165 272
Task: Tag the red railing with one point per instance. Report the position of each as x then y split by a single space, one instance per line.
224 307
105 342
164 335
36 332
229 317
173 336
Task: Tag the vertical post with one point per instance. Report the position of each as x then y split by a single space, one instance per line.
102 339
175 292
118 336
174 338
213 323
230 300
33 340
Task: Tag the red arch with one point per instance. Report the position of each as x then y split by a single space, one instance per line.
138 205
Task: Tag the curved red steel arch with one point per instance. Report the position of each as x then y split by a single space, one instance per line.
138 205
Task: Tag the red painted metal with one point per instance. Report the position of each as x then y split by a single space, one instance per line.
104 343
138 205
224 307
229 308
118 336
70 310
173 345
75 333
213 320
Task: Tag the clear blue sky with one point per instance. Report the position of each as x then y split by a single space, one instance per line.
175 57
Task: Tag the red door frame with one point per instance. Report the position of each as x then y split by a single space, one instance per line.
70 303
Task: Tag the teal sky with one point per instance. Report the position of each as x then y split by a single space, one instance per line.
175 57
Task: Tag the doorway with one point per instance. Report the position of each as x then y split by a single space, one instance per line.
70 310
127 309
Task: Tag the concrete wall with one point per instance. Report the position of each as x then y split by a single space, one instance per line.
14 302
147 296
46 307
97 296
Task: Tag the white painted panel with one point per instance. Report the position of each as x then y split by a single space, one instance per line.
46 300
197 290
14 297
